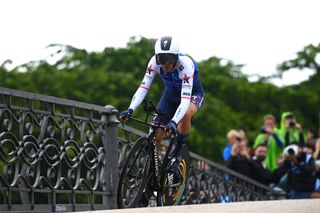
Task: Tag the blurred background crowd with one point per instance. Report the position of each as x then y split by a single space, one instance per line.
285 157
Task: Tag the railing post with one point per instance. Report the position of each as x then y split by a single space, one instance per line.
110 143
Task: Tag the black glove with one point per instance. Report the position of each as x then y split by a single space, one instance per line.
171 127
125 115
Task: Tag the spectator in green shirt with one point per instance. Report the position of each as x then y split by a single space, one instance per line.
269 135
291 130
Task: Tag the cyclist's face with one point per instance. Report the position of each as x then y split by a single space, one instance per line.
167 67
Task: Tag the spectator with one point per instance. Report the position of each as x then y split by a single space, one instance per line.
269 135
312 137
232 137
260 170
302 173
239 159
260 154
242 134
316 156
291 130
240 162
316 153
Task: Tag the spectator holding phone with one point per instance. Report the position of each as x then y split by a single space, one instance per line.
291 130
232 136
239 159
269 135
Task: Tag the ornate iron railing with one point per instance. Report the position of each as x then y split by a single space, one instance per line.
56 154
63 155
209 182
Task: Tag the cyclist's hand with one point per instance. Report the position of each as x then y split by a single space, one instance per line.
171 127
125 115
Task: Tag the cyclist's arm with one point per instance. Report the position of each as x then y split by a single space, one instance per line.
145 85
186 90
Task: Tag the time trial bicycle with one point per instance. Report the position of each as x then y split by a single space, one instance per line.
144 172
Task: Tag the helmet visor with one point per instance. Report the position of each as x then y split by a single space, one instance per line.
166 58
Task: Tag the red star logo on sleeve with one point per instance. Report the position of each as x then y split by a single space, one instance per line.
149 70
185 78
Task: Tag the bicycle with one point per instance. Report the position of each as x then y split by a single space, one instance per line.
144 175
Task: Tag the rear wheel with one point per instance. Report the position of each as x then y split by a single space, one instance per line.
171 195
134 175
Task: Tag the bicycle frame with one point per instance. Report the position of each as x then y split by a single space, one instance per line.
156 168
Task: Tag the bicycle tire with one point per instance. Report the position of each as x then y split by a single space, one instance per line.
172 196
125 199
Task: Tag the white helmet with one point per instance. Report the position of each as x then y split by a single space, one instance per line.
166 50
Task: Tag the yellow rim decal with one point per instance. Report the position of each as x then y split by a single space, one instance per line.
183 167
177 194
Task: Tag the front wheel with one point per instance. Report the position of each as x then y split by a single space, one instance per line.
171 196
134 175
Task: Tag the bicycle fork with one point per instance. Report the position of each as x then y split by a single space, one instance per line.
156 161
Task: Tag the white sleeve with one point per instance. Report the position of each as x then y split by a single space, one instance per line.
186 91
145 85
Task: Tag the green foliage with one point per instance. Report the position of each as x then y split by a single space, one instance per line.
231 101
306 58
305 96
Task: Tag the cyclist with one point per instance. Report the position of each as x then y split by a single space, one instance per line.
181 98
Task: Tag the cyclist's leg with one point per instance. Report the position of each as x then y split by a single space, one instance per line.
168 104
184 125
183 129
159 136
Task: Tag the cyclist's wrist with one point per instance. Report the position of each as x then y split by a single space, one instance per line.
172 121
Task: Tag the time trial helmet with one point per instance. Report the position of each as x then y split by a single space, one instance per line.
166 50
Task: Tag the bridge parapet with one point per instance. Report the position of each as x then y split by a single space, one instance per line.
56 154
63 155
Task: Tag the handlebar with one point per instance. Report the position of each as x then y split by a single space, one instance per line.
155 126
150 109
148 124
